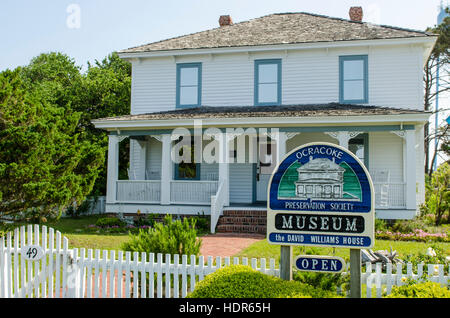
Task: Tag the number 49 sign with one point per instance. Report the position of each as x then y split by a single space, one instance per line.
32 252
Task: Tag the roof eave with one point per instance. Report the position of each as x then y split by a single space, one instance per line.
427 40
406 119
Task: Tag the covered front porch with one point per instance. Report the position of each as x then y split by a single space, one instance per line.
156 184
235 149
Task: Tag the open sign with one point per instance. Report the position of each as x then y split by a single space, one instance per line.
323 264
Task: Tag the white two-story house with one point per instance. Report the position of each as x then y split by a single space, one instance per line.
250 92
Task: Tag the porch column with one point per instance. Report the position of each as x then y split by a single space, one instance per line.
410 169
224 169
281 146
166 169
113 168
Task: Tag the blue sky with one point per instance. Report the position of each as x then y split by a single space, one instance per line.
28 28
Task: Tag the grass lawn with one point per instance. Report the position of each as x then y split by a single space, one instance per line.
73 229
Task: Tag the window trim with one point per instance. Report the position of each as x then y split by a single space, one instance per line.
363 58
199 84
256 81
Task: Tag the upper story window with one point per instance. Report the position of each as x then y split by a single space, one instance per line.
268 82
189 85
353 79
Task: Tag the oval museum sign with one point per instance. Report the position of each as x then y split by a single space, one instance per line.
321 194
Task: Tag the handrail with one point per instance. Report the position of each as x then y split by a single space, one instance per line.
217 203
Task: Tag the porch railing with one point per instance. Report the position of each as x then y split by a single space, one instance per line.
192 192
142 191
390 195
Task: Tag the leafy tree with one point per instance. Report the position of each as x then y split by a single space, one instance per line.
442 137
105 91
45 163
437 196
439 58
55 75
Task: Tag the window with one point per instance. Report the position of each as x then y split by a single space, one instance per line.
187 170
360 147
189 85
353 79
268 82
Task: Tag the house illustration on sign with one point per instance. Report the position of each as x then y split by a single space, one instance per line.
320 178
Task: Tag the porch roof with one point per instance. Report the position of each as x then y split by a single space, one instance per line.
303 110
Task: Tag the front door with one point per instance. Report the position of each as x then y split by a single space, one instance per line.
265 164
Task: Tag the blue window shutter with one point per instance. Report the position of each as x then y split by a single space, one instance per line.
256 81
180 66
365 79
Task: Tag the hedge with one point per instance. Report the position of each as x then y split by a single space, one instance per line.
240 281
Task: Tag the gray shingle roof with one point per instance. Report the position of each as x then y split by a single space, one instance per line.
307 110
280 28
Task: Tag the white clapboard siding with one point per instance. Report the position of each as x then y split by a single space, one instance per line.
308 76
241 182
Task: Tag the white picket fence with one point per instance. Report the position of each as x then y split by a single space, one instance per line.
57 271
379 281
37 262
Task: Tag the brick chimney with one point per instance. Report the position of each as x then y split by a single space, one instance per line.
356 14
225 20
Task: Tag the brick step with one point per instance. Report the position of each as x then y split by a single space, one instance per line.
244 220
245 213
231 228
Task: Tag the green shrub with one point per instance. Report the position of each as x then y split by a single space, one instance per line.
239 281
408 226
145 220
438 257
202 223
381 225
437 195
169 237
324 281
109 221
420 290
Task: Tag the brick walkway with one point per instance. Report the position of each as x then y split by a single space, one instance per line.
224 244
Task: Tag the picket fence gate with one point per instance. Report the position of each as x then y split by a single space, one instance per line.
37 262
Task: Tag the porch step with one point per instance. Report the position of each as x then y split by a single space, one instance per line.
242 221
